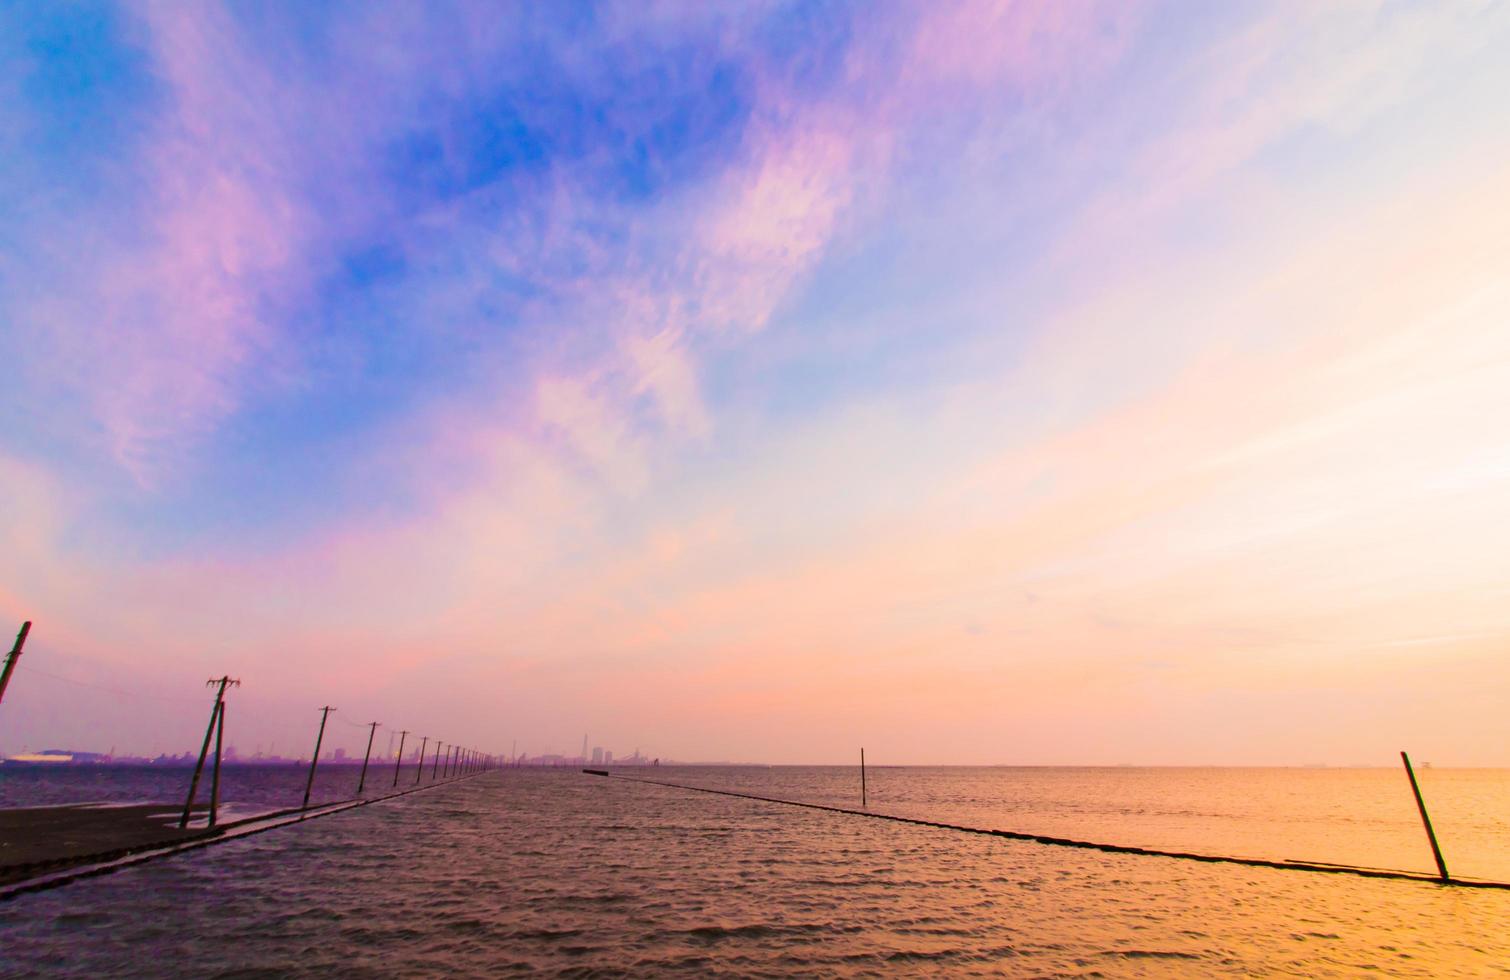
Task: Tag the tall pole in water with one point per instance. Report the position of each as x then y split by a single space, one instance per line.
363 781
1431 835
314 760
399 762
13 656
204 749
215 776
435 766
862 779
419 768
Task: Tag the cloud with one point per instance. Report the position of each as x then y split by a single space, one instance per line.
502 287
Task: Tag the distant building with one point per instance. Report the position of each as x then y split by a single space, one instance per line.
340 755
46 756
597 755
607 758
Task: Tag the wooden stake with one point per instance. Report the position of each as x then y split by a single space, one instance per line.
1431 835
862 779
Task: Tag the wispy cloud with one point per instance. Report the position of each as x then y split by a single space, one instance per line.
1116 337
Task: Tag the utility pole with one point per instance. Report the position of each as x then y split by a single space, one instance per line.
419 767
12 657
215 778
315 759
399 762
363 781
204 749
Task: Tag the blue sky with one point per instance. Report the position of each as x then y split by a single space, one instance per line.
597 351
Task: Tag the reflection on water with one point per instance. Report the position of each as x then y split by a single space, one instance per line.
526 871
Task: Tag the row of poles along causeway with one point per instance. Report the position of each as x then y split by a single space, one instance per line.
448 761
459 760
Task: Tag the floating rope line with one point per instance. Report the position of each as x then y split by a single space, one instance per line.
1314 866
108 862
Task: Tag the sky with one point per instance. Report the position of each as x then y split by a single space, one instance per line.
997 383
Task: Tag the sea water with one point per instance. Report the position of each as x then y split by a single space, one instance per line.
530 871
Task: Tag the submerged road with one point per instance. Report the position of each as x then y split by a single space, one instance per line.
47 847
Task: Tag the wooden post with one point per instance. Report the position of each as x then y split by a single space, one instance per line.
863 803
419 768
215 778
204 749
435 766
13 656
398 762
315 759
363 781
1431 835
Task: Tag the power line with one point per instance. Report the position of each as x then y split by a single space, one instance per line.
100 687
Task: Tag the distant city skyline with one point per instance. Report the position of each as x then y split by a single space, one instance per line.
1052 383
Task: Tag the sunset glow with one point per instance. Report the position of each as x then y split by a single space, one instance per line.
998 383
